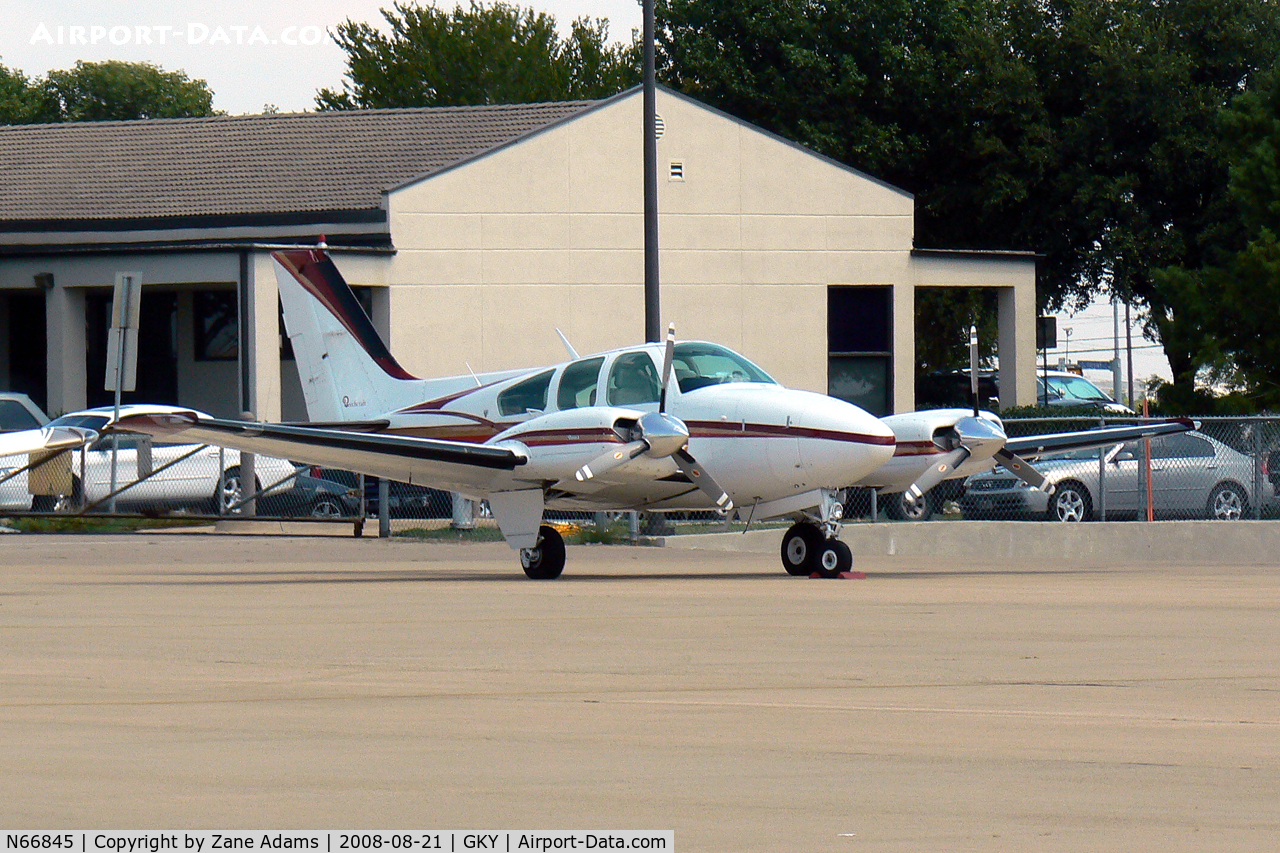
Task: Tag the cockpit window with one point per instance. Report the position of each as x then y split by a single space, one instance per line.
633 379
578 384
526 395
697 365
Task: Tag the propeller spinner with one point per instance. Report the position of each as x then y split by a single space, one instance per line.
658 435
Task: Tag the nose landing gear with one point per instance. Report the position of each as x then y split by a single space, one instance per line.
812 545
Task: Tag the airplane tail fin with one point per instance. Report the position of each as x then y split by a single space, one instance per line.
347 372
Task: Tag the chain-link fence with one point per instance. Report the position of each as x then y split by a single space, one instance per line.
135 475
1227 469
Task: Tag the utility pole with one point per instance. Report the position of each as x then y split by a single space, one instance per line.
1115 351
652 309
1128 337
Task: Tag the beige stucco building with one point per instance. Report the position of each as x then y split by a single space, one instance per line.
472 234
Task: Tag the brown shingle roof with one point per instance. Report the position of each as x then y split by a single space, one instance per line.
243 165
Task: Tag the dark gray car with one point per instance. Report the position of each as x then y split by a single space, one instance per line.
1192 476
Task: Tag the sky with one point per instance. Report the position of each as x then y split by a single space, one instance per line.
1092 338
250 53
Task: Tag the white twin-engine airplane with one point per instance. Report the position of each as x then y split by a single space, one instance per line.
685 426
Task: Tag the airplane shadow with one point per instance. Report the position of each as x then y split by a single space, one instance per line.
425 577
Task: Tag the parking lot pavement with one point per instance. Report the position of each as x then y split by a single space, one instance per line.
237 682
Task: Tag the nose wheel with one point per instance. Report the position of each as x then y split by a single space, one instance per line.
807 551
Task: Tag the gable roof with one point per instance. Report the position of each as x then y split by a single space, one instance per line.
239 168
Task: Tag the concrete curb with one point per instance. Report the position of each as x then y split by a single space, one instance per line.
1216 542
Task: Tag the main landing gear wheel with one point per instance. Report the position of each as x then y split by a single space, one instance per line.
544 561
800 547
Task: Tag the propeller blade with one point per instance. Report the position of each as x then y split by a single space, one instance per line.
704 481
940 470
973 367
1023 470
608 461
667 358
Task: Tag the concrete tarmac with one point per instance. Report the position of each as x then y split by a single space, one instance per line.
197 681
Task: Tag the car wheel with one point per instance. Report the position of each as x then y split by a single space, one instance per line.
902 509
231 491
1070 502
1228 502
325 507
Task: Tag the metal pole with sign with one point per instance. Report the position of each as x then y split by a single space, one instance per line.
122 352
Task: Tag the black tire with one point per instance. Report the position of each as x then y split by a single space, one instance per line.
899 508
834 558
228 490
800 546
544 561
1228 502
326 507
1070 502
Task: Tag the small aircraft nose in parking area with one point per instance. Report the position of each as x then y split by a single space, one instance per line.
843 442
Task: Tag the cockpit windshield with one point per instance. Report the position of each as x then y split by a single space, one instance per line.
697 365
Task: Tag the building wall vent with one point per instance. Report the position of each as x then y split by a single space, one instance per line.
677 170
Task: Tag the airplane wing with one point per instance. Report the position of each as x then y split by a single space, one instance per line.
450 465
45 439
1038 445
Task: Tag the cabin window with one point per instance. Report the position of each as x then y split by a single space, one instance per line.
633 379
526 395
578 384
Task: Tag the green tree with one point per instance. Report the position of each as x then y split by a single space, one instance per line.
24 101
101 91
1234 297
1082 129
496 54
114 90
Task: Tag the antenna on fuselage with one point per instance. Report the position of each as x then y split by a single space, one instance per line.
573 353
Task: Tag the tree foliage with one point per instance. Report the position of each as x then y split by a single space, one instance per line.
102 91
495 54
1233 298
1082 129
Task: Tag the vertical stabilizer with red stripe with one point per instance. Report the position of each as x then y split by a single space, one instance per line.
347 372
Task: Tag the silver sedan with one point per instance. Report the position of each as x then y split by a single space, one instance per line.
1192 476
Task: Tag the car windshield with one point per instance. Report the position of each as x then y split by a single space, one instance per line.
697 365
93 422
1077 388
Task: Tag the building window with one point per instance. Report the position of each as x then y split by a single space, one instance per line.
217 332
859 347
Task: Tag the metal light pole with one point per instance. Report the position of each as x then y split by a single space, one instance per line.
652 312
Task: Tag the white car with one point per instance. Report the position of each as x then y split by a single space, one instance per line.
193 483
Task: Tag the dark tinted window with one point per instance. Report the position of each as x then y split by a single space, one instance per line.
578 384
14 416
1180 446
529 394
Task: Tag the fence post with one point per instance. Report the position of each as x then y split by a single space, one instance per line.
1257 469
1102 477
875 509
384 508
464 513
248 477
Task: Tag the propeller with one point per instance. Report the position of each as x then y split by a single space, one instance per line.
659 435
1023 470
